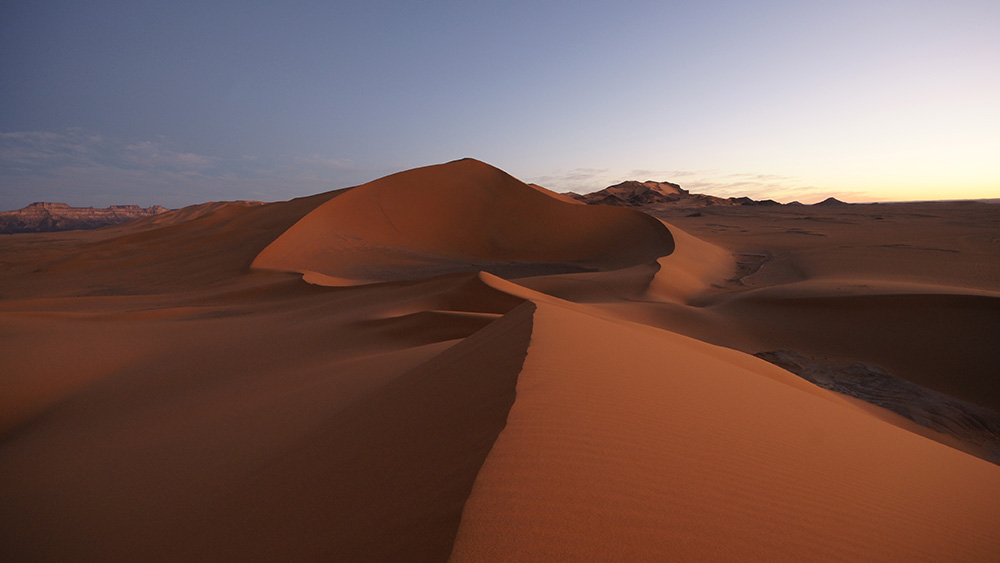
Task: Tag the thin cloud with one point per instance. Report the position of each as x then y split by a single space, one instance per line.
771 186
155 156
580 180
761 177
667 175
318 167
324 162
43 151
85 168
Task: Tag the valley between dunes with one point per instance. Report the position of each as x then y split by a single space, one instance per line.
449 364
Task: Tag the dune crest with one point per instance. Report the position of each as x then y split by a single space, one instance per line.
460 216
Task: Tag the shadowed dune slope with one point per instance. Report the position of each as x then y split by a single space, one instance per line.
939 337
186 249
460 216
331 424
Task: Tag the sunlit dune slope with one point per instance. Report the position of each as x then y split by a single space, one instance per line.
460 216
630 443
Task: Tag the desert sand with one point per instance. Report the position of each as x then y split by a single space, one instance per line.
449 364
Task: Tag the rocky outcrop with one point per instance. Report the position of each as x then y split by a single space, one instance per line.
831 202
634 194
659 194
748 201
44 217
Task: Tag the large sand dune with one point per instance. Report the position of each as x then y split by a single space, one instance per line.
461 216
449 363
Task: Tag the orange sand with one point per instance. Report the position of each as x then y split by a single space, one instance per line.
449 363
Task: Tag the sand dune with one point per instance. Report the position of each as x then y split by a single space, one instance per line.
461 216
628 443
248 430
186 249
449 363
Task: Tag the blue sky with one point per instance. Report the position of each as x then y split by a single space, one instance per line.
182 102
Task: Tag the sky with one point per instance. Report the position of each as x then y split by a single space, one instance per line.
177 103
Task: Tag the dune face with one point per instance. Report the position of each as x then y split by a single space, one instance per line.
283 421
449 364
697 454
460 216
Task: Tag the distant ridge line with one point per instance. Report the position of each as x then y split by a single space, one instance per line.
41 216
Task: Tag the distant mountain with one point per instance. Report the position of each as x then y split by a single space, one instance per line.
649 193
634 194
748 201
831 201
45 217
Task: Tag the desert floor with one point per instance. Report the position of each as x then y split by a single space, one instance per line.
447 363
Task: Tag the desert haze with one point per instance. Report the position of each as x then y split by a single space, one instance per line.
450 364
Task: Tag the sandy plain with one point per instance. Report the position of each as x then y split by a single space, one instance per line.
447 363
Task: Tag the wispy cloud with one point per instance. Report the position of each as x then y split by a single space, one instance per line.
768 186
151 155
675 176
86 168
39 152
42 153
581 180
